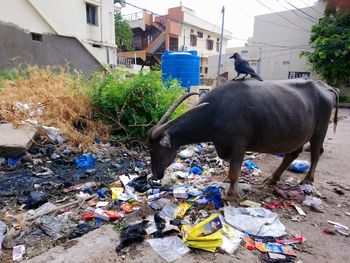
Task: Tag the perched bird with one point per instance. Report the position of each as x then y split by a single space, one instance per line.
242 67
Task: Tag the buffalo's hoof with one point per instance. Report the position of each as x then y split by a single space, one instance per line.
231 199
270 181
307 181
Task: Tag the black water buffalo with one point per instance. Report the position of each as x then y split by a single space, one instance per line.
268 117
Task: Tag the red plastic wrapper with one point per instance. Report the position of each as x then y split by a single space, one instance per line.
126 207
113 214
88 216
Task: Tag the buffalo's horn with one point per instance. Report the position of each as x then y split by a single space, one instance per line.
159 129
174 106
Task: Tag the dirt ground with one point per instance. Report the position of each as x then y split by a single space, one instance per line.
334 165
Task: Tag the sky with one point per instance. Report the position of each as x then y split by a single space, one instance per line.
239 14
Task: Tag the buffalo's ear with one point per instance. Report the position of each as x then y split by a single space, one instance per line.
165 141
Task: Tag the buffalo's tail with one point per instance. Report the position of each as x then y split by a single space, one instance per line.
335 118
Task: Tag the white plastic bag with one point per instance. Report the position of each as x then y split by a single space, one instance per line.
169 248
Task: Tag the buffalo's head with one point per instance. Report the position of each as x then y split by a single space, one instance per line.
163 151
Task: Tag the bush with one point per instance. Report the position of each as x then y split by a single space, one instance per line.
344 98
133 104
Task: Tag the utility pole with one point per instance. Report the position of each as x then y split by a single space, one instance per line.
220 50
259 62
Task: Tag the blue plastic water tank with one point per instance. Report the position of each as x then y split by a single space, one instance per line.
183 66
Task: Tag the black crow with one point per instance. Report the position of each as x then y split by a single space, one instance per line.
242 67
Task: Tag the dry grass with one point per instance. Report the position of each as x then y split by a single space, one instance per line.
63 104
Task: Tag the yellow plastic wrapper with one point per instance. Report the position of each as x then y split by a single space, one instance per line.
116 192
182 209
206 235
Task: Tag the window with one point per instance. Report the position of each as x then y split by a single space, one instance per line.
96 45
206 70
210 44
200 34
193 40
91 14
217 46
201 69
37 37
286 62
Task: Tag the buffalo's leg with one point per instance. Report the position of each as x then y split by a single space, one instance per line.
316 150
287 160
233 174
236 76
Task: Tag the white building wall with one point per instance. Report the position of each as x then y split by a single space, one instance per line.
201 46
277 42
67 18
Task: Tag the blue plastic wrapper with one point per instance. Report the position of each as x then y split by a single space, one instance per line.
250 165
280 154
141 164
195 170
14 162
299 166
101 193
213 194
86 161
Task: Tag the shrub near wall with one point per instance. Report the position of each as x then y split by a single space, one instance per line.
133 104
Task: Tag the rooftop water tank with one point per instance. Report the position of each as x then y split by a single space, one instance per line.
183 66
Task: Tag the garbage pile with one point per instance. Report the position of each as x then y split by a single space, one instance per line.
61 195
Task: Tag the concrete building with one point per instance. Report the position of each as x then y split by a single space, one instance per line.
80 33
179 29
274 49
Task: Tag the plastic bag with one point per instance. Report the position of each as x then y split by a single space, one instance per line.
86 161
206 235
50 226
299 166
33 200
254 221
213 194
140 184
160 225
80 230
169 211
132 234
169 248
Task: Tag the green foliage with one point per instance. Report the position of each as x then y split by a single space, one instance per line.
133 104
344 98
330 39
123 33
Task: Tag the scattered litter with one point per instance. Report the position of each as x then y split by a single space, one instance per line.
314 202
33 200
86 161
132 234
254 221
340 228
290 192
204 235
187 153
299 166
169 248
18 252
213 194
80 230
231 239
250 203
50 226
299 210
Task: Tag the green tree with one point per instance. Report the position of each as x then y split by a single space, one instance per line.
330 39
123 33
